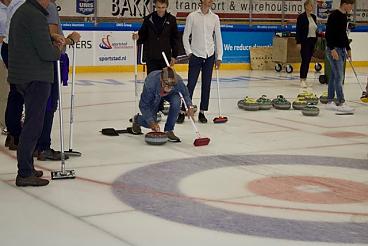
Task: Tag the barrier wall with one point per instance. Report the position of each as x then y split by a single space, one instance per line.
111 45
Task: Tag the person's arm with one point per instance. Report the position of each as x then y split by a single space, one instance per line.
298 30
219 48
187 33
145 103
174 39
142 33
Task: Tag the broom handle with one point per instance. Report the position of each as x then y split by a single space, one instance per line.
135 56
191 120
71 129
165 58
61 126
218 91
355 73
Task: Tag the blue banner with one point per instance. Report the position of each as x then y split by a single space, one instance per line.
237 45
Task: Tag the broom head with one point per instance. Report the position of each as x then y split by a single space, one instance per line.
220 119
201 142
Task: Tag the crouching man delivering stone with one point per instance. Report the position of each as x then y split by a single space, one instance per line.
160 85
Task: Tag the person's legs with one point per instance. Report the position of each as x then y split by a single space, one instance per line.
195 66
332 77
304 66
13 113
339 73
207 70
44 142
174 100
35 94
4 91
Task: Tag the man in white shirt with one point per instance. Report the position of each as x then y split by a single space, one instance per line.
4 85
204 50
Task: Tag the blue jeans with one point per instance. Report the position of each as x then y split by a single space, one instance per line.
174 100
337 75
196 64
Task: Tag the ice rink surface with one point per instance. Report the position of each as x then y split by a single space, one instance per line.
272 177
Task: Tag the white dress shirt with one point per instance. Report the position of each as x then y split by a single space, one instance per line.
206 35
13 6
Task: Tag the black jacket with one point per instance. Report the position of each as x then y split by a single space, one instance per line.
31 53
154 42
302 27
336 35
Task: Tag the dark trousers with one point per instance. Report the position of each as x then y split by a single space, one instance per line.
13 112
44 142
4 54
155 64
14 106
196 65
306 52
35 94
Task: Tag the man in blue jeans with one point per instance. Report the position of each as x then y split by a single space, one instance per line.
161 84
338 49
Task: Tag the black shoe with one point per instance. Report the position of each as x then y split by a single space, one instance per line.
37 173
11 142
202 118
30 181
50 155
136 129
181 118
172 138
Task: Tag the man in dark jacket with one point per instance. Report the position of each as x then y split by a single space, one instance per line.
158 33
31 57
338 50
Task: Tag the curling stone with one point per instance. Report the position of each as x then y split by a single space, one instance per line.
281 103
241 104
309 97
250 104
264 103
324 97
155 138
299 103
310 110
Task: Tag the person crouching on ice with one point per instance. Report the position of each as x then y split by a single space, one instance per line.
161 85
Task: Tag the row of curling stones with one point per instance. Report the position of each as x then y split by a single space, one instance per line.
250 104
305 102
166 108
264 103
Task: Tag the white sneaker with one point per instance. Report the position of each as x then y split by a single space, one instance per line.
303 84
331 106
345 108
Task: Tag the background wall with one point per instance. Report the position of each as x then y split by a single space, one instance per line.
110 44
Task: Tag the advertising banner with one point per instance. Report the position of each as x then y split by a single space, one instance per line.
237 45
114 48
85 7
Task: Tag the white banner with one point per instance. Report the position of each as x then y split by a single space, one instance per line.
98 48
236 9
